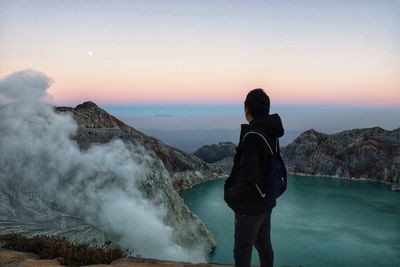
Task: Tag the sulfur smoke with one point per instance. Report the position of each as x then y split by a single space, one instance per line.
45 177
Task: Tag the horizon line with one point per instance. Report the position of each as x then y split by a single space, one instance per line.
222 104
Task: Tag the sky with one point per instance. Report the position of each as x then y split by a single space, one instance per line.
304 53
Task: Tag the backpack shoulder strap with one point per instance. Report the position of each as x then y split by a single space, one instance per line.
277 147
251 132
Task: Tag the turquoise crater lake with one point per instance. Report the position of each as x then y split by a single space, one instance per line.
318 222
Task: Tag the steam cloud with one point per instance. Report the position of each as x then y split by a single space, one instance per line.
44 175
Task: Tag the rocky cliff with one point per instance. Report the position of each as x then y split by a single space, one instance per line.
372 153
109 182
97 126
183 170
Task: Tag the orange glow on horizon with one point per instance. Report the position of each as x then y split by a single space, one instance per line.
329 96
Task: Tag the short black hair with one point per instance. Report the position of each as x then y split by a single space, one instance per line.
257 103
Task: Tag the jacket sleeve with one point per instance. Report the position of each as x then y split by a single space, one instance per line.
249 165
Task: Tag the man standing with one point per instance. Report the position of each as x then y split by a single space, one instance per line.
252 211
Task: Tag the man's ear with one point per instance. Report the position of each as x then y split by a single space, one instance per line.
247 114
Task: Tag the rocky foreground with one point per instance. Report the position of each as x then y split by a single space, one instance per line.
371 153
11 258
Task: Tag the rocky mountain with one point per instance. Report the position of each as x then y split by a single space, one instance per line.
97 126
89 202
184 170
219 157
216 152
371 153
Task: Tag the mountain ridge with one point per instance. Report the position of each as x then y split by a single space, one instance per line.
83 174
366 153
361 153
97 125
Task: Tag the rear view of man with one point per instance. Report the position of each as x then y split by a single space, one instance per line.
243 188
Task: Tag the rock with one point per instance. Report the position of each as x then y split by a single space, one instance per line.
11 258
184 170
216 152
24 210
371 153
222 167
97 126
127 262
39 263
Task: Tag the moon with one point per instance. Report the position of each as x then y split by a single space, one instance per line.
90 53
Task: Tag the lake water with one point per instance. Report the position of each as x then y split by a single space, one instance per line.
318 222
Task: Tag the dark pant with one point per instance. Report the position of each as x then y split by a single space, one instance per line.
253 230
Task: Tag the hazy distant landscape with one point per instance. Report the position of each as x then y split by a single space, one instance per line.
188 127
190 140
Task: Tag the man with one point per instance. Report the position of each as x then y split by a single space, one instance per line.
252 212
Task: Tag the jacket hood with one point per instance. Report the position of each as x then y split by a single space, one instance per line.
270 125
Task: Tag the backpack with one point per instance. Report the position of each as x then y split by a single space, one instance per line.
275 181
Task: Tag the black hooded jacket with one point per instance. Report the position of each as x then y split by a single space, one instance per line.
250 165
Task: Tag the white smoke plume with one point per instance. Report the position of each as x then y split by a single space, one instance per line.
45 176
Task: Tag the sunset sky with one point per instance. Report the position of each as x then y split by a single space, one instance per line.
300 51
329 65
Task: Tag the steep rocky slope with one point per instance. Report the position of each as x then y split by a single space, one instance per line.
97 126
52 185
371 153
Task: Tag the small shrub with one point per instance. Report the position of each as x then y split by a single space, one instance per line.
67 252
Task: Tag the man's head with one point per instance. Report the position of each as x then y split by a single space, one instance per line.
256 104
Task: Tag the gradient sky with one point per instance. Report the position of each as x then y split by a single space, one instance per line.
300 51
